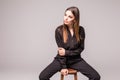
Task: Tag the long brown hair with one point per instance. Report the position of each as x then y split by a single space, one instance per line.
75 12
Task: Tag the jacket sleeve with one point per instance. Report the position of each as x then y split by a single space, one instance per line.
80 47
59 41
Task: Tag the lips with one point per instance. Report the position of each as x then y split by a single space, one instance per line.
65 21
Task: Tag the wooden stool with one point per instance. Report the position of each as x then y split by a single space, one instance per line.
71 72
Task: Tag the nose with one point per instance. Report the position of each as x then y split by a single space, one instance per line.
66 18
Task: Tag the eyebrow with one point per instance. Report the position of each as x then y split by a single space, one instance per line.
69 15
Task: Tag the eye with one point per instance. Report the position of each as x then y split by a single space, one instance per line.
65 14
70 17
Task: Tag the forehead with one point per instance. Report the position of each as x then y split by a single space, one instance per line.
68 12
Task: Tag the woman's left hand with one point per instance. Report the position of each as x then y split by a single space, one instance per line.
64 72
61 51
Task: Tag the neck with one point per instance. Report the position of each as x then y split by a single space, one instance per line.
71 30
70 27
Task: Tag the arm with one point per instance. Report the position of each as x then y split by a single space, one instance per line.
59 37
60 43
80 47
76 51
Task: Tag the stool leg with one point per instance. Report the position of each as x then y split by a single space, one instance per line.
75 76
62 77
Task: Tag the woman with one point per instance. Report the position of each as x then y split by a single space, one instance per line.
70 40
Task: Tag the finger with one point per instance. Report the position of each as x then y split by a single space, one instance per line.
62 73
65 74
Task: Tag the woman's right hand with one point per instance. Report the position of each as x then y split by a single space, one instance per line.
61 51
64 72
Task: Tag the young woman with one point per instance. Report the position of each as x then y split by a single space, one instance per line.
70 40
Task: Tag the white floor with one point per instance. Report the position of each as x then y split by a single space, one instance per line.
27 75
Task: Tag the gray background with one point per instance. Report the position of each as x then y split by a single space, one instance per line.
27 43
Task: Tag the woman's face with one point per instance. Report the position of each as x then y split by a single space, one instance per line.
69 18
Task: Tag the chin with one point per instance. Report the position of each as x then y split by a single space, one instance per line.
66 23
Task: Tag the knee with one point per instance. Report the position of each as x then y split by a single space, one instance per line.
97 77
94 76
42 77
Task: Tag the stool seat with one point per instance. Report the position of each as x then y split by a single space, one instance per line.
72 72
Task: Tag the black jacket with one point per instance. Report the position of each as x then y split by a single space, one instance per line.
72 48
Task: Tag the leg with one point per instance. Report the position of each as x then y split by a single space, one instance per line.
86 69
50 70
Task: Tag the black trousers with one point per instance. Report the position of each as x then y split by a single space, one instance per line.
81 66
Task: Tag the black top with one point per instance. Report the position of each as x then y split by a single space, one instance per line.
72 48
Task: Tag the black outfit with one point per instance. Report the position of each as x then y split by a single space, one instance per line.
72 58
